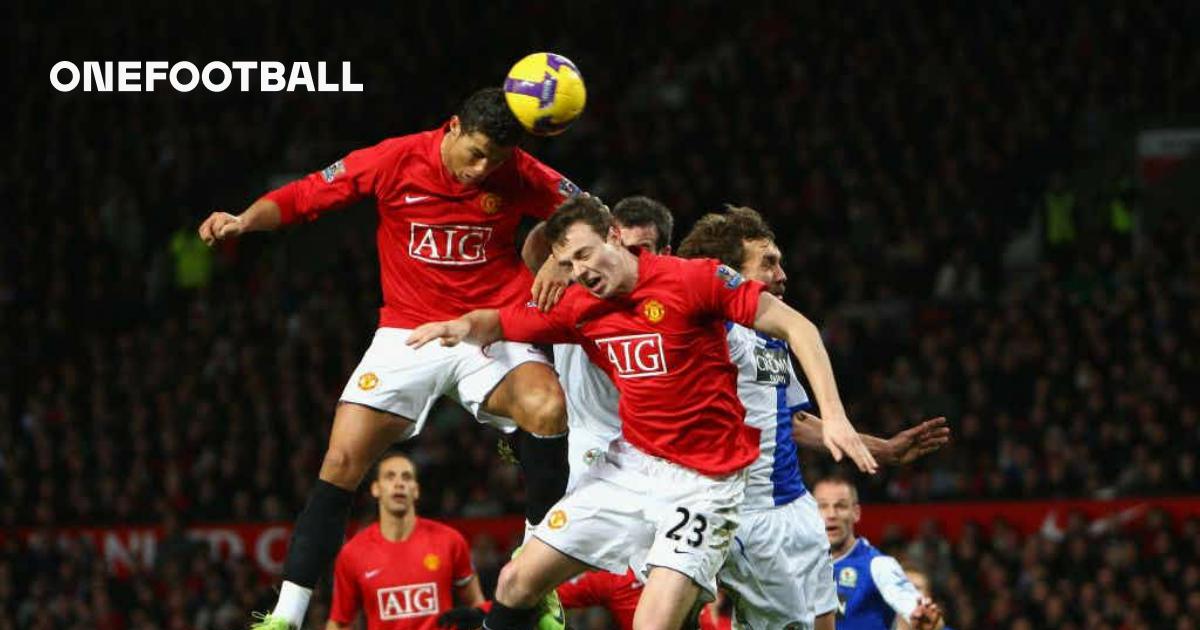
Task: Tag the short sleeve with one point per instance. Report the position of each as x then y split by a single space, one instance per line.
350 179
463 570
529 324
347 600
547 187
723 292
894 585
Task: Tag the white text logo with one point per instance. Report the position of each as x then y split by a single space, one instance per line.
449 244
635 356
185 76
414 600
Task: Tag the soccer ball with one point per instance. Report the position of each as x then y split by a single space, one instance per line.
545 92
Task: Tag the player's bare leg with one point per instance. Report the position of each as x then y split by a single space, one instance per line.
825 622
360 434
525 580
531 396
666 601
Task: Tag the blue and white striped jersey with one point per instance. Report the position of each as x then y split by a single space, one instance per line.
771 394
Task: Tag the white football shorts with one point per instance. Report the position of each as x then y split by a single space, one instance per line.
396 378
779 571
635 510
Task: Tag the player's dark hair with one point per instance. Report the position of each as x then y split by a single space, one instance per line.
637 211
579 209
392 451
487 112
723 236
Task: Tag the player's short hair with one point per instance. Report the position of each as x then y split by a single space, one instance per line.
391 452
578 209
840 481
723 235
638 210
487 112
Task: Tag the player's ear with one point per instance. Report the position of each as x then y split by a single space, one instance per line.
857 513
455 125
614 235
376 491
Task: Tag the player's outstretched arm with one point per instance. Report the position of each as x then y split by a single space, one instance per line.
480 327
782 321
903 448
262 215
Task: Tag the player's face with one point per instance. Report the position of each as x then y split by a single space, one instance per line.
594 262
471 157
839 510
396 486
764 263
639 236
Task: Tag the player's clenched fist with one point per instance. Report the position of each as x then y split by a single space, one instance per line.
219 226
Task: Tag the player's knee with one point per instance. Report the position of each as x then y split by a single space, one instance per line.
341 467
542 410
513 588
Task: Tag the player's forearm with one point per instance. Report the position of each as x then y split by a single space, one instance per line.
805 340
536 249
807 432
483 326
262 215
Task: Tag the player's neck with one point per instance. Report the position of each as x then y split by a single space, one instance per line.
629 281
397 528
840 552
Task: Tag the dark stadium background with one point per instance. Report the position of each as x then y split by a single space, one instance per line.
958 191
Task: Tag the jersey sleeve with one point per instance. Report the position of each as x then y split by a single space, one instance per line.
340 184
723 292
894 586
547 187
582 591
462 568
347 600
529 324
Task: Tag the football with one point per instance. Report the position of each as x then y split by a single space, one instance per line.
545 92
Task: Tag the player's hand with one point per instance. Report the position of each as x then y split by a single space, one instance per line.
843 441
220 226
549 284
926 616
462 618
916 442
450 332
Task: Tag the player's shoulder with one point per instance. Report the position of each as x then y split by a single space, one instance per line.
440 529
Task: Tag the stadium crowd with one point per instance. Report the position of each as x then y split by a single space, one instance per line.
897 152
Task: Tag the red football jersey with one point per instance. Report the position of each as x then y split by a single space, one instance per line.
618 594
404 584
444 248
664 347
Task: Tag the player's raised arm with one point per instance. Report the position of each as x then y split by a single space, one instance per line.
345 181
905 447
777 319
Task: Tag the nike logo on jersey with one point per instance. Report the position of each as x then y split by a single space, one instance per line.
372 573
414 198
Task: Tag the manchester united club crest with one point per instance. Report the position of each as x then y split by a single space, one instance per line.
654 311
432 561
490 203
557 520
368 381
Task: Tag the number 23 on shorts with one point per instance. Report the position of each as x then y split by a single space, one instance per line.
694 533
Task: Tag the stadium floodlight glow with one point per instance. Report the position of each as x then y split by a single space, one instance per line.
185 76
